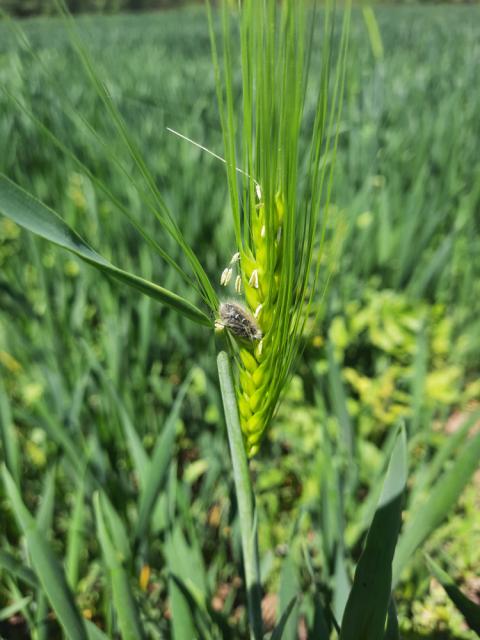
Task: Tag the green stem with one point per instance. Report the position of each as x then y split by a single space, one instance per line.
245 496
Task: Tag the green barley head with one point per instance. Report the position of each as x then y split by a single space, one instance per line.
279 196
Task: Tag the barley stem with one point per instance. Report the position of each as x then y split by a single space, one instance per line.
245 496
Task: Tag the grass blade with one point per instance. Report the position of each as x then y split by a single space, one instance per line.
374 34
339 403
189 617
30 213
160 462
289 590
161 211
183 623
439 502
469 609
44 518
46 565
367 606
279 630
392 632
94 633
18 569
75 540
15 607
139 456
427 476
44 515
125 607
8 435
341 584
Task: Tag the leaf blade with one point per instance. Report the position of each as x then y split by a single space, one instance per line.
442 497
469 609
367 606
124 603
46 565
31 214
159 464
282 623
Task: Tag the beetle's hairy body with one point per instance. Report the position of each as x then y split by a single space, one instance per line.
239 321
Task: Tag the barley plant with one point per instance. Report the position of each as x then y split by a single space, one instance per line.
283 77
280 207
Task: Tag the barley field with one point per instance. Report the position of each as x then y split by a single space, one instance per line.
119 514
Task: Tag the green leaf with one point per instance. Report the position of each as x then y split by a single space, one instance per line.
392 632
75 539
184 559
44 514
183 623
322 619
470 610
8 434
44 519
282 624
19 570
124 604
427 476
367 606
94 633
46 565
189 618
187 584
420 366
338 398
341 584
116 529
289 590
440 500
159 464
160 209
373 32
135 448
15 607
30 213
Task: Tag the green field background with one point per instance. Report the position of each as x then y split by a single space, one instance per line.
83 359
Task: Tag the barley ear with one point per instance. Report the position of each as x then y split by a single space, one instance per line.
280 199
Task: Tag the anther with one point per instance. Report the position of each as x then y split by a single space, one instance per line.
263 232
226 276
238 284
253 282
258 310
235 258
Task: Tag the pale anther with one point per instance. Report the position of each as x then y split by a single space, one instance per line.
253 282
235 258
258 310
238 284
226 276
263 232
258 191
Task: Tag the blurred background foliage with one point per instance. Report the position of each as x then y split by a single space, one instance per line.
48 7
84 363
22 8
